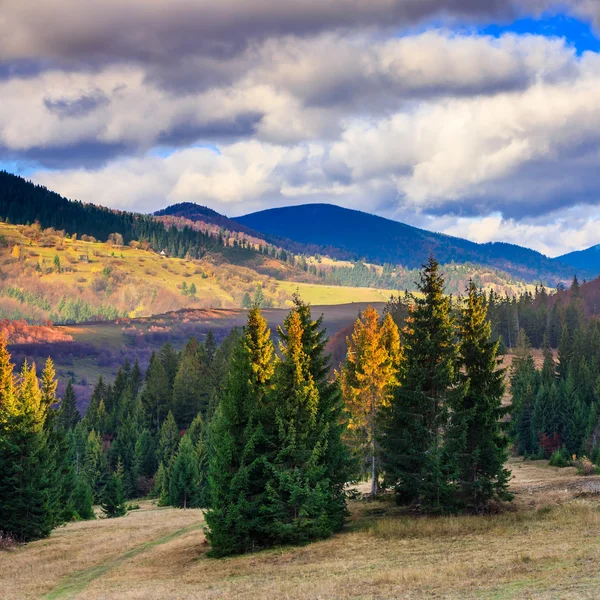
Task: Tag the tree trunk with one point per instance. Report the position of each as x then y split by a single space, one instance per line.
374 488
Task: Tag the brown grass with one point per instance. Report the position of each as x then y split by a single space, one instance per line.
545 547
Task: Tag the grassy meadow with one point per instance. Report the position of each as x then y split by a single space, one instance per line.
545 546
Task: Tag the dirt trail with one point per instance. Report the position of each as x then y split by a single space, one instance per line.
75 583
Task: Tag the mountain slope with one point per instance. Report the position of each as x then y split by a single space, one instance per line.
584 260
354 234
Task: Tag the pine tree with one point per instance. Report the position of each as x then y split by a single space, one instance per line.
82 499
168 441
113 500
297 494
156 395
236 467
161 485
369 377
28 485
169 358
524 386
145 455
565 354
68 415
331 414
480 448
184 479
414 454
190 389
95 465
573 417
549 366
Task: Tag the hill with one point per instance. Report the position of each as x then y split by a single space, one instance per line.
355 235
197 213
583 260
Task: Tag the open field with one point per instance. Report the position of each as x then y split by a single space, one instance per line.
546 546
331 294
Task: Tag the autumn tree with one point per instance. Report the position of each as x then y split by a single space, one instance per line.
369 377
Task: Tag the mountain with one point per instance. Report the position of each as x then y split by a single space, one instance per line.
584 260
202 214
356 235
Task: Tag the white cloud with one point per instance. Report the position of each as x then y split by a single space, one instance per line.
308 102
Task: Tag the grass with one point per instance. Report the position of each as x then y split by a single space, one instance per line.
330 294
546 546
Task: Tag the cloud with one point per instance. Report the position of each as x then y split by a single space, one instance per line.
285 93
155 30
358 102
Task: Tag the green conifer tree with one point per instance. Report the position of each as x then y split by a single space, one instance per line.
190 389
297 497
68 415
480 448
184 479
113 499
413 444
168 441
237 465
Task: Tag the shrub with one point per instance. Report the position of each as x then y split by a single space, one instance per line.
7 542
560 458
586 468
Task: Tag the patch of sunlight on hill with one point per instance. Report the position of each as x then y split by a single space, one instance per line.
328 294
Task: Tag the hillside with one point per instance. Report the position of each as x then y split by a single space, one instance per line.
47 275
352 234
584 260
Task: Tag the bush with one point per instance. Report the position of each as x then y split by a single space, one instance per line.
7 542
560 458
586 468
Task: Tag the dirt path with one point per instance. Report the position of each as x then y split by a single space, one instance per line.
75 583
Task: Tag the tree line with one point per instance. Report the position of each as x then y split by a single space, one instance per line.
260 435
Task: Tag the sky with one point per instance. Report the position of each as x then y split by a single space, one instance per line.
479 119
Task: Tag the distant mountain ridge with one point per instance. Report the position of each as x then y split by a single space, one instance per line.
362 236
586 260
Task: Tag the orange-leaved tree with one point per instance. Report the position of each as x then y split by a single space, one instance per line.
368 378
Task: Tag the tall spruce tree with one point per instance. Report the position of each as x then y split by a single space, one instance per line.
476 441
413 445
156 394
184 480
237 464
524 385
68 415
299 488
331 415
190 388
28 485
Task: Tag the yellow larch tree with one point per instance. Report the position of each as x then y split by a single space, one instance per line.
369 376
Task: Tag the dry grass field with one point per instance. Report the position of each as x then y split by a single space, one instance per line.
545 546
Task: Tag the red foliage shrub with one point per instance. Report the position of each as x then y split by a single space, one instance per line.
20 332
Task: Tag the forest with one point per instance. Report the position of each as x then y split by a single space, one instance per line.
260 435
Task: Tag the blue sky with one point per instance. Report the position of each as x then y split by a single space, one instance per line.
478 119
578 33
